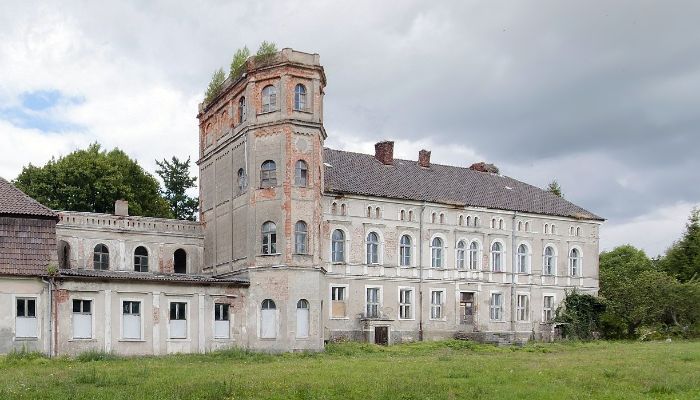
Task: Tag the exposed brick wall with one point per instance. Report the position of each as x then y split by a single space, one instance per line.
424 158
384 152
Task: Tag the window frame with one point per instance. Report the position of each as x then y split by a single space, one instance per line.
300 103
122 337
370 314
34 319
405 251
103 256
275 315
522 311
301 238
461 255
496 311
268 102
343 245
474 256
552 257
301 173
406 308
551 309
497 254
221 310
373 248
576 263
437 311
268 174
437 253
268 239
242 112
346 292
141 258
523 261
91 301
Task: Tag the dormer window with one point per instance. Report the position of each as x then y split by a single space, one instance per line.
300 98
269 99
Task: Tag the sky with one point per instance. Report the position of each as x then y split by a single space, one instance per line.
602 96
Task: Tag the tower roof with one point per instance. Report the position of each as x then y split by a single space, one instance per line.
14 202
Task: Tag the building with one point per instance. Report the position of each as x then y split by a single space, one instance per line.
299 244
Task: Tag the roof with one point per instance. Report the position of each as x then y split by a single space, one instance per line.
363 174
14 202
151 276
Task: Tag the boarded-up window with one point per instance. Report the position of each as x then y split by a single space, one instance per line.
339 308
82 319
26 324
222 323
131 320
268 319
178 320
302 319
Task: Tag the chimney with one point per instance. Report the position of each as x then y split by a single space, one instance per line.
121 208
384 152
424 158
484 167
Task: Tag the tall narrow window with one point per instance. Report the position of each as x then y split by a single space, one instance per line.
432 218
522 309
473 255
372 303
460 221
436 259
553 229
549 262
241 110
338 246
377 212
496 307
410 215
405 304
546 228
402 215
300 97
476 221
500 224
527 226
338 306
334 208
436 304
343 209
372 248
547 308
242 181
493 223
523 259
301 171
141 259
180 261
268 174
131 320
578 231
100 257
268 319
520 225
269 238
26 323
442 218
178 320
82 319
496 257
574 262
302 318
469 220
405 251
300 238
461 254
269 99
222 321
369 212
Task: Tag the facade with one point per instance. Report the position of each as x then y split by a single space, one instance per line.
299 244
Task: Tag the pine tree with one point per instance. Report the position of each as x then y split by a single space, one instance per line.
682 260
176 180
555 188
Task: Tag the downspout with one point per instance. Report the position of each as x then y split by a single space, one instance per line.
513 275
420 273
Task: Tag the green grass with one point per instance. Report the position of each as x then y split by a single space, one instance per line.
433 370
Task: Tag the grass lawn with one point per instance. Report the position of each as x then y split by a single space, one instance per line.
436 370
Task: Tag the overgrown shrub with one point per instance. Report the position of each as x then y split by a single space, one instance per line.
238 62
215 85
266 51
96 355
579 316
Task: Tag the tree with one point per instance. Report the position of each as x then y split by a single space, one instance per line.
555 188
579 315
91 180
215 85
682 260
266 51
176 179
238 61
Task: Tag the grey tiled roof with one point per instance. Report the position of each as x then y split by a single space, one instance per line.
151 276
362 174
14 202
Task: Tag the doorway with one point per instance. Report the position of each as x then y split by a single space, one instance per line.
381 335
466 307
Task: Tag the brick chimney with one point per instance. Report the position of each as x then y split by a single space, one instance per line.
424 158
384 152
121 208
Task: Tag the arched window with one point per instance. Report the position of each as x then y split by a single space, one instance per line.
473 255
372 248
546 228
493 223
405 251
334 208
469 220
301 172
377 212
369 211
269 238
63 254
574 262
496 257
578 231
338 246
300 238
269 98
268 174
436 259
476 221
410 215
523 259
343 211
527 226
571 231
141 259
500 224
549 264
554 229
241 180
241 110
460 221
302 318
442 218
432 218
180 261
300 97
402 215
461 254
520 225
100 257
268 319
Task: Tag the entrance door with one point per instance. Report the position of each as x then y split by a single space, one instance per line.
466 307
381 335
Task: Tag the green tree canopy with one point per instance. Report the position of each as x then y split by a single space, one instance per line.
91 180
176 179
238 61
580 315
555 188
215 85
682 260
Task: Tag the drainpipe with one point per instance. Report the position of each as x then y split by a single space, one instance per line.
513 276
420 273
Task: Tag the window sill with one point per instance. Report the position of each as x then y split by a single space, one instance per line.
273 339
498 321
303 254
340 318
406 319
178 340
82 340
222 339
132 340
27 339
268 112
305 111
338 263
269 255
